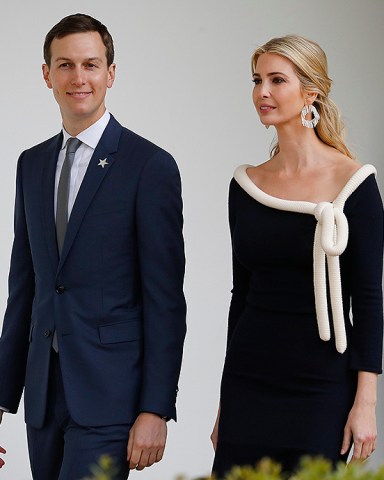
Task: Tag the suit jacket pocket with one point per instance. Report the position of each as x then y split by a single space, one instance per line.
121 332
108 209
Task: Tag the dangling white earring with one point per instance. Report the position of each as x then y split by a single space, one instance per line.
314 121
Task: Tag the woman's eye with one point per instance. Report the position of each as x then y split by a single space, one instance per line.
256 81
278 80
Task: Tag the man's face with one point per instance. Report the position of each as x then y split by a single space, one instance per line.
79 77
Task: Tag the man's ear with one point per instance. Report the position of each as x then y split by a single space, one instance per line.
45 69
111 74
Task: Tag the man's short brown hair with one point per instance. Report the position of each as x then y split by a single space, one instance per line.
79 23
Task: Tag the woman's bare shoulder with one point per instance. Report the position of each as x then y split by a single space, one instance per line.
261 170
343 168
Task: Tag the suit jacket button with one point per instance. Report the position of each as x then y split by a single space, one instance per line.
60 289
47 333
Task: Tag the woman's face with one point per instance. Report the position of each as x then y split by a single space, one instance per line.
277 94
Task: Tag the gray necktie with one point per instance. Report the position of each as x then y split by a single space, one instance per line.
62 203
63 191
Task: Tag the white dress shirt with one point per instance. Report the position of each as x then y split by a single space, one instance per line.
90 138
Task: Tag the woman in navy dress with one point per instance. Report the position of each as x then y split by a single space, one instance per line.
306 320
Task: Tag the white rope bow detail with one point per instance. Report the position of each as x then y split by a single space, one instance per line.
331 238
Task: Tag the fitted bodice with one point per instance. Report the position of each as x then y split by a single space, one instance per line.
329 242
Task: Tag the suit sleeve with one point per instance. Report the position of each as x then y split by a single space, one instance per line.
14 340
240 274
162 263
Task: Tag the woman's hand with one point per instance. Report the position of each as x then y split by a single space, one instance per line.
361 424
215 432
361 429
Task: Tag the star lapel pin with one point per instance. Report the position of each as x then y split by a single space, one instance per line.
102 163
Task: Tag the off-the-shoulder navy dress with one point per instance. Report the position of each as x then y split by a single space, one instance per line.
285 391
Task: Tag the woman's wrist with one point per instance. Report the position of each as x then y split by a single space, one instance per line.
366 393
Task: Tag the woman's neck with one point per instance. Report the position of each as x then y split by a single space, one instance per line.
299 149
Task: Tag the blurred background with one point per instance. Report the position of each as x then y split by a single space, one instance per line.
184 81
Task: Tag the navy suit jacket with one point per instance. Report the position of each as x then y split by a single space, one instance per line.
115 294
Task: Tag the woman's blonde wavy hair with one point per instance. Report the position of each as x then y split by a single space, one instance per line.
310 64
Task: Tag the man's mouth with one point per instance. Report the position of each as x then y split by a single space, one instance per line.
78 94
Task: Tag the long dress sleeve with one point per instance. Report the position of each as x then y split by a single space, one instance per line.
364 270
240 275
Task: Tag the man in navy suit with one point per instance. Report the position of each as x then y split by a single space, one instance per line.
94 330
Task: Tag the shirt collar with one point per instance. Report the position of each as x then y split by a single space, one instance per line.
91 135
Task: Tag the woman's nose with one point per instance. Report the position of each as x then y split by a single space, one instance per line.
263 91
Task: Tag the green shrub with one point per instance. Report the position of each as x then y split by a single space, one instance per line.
310 469
104 470
266 469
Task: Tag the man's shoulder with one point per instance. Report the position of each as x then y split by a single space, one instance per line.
44 145
139 146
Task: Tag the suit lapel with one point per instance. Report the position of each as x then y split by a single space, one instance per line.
48 186
93 178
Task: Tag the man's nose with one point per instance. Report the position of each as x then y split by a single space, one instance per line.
78 77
